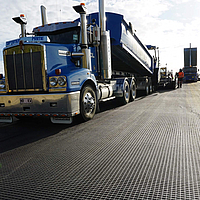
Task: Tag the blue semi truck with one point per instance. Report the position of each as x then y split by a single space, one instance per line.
64 69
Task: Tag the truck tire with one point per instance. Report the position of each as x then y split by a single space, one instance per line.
126 93
150 89
146 92
132 90
88 103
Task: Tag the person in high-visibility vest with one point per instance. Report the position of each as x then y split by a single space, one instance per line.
180 78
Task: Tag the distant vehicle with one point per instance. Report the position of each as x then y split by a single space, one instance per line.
190 74
190 65
167 80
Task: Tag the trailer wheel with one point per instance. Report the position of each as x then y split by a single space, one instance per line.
87 103
132 91
150 89
146 90
126 93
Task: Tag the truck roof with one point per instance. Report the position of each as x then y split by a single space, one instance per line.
58 26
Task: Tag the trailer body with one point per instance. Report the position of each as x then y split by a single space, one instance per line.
68 68
190 65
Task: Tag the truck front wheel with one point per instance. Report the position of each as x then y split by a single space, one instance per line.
87 103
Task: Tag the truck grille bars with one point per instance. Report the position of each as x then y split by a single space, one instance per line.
25 68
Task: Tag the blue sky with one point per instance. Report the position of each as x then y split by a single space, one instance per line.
171 25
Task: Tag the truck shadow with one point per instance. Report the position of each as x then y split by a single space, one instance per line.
22 132
26 131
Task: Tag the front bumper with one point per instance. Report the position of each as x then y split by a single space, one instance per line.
61 104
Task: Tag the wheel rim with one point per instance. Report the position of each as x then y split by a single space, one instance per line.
88 103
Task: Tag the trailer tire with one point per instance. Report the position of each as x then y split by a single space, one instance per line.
150 89
132 90
88 103
146 92
126 93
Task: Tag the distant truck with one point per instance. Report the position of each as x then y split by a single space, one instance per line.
167 79
190 74
190 65
64 69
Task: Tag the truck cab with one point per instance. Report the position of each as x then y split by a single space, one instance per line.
44 74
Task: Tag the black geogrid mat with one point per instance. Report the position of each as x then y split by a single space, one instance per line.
148 149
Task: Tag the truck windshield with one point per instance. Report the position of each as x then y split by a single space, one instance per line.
66 36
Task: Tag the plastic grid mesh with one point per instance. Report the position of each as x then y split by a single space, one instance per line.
148 149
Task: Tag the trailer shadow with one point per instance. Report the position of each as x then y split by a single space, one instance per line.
115 103
165 90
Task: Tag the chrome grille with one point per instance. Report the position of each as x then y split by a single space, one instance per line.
25 69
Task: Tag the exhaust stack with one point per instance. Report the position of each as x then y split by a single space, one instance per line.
86 59
43 15
102 16
22 21
105 49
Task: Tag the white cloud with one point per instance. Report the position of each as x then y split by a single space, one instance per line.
159 23
56 10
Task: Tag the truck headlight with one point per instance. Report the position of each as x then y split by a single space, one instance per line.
57 83
53 81
61 81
